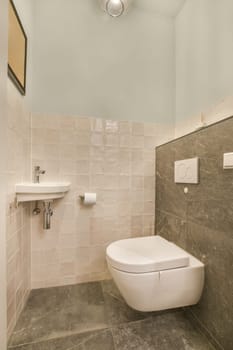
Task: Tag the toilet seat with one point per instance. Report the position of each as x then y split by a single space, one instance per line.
146 254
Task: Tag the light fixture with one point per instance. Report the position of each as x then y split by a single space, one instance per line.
115 8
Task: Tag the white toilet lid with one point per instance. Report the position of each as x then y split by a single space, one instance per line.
146 254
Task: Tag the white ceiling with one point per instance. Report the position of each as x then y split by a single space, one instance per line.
165 7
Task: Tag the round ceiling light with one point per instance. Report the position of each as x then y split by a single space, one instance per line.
115 8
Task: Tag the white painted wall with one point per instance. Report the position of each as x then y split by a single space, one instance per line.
3 126
204 56
169 8
86 63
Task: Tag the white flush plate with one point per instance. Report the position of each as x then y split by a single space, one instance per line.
187 171
228 160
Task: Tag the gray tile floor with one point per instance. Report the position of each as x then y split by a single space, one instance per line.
93 316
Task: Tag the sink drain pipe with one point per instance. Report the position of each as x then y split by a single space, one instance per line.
47 213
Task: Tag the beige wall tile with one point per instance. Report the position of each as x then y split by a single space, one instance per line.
97 139
150 129
112 140
82 153
68 137
137 182
96 167
97 259
125 127
52 122
82 138
137 141
111 126
97 125
149 207
115 159
150 142
82 167
138 129
125 141
67 122
83 124
18 220
67 269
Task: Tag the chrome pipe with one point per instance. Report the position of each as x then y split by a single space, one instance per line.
48 212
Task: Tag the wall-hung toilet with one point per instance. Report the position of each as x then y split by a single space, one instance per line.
154 274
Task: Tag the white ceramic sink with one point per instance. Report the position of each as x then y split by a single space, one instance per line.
27 192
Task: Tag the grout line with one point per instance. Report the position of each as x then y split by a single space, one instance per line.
109 327
203 330
113 339
41 341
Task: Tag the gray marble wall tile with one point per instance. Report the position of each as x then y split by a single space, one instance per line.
171 227
202 221
214 214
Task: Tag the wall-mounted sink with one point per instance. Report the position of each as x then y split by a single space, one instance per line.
28 192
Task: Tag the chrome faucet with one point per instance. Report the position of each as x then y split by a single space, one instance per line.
37 173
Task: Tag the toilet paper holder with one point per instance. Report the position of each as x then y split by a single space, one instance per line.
88 198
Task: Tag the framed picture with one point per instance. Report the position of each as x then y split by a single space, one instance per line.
17 50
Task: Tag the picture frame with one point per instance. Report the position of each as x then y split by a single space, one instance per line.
17 50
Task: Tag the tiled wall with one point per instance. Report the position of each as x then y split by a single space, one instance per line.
18 219
114 159
3 127
202 220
